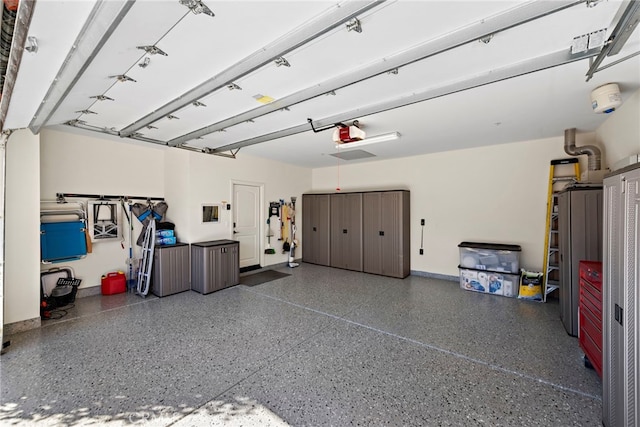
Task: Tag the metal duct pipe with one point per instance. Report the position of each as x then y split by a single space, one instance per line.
591 151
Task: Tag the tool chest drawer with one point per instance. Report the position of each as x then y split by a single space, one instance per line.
590 313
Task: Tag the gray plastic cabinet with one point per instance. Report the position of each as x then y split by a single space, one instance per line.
170 269
315 228
621 299
215 265
346 231
386 233
580 238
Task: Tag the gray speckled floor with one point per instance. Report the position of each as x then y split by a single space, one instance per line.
320 347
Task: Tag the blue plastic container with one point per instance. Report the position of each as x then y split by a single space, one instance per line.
62 241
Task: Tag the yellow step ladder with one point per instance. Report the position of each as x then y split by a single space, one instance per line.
551 251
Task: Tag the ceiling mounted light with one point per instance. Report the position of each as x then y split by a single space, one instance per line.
122 78
281 62
86 112
354 25
285 109
198 104
152 50
394 71
233 86
197 7
150 127
371 140
101 98
172 117
145 62
486 39
331 92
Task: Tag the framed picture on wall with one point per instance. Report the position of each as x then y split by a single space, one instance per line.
210 213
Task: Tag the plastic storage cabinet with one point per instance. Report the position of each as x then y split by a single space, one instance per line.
590 313
490 267
215 265
579 237
170 269
621 298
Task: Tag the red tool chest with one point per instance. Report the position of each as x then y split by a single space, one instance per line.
590 312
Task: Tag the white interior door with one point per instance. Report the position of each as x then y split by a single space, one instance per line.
246 222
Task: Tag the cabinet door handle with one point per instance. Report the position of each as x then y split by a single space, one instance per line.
315 229
618 314
344 231
381 233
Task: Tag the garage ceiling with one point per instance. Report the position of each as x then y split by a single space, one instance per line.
446 75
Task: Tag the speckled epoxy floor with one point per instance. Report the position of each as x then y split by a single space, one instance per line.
320 347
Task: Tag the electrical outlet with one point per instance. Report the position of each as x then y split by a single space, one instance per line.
421 251
422 221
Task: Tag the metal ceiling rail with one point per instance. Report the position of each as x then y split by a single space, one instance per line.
338 15
62 196
486 27
629 19
23 21
533 65
105 17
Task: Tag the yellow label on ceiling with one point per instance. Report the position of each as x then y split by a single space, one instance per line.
263 99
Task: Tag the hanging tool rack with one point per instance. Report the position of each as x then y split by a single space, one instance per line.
60 197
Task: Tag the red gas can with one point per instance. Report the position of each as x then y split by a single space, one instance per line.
114 283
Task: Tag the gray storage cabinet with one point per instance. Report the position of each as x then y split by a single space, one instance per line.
215 265
346 231
621 299
580 238
170 269
386 233
315 228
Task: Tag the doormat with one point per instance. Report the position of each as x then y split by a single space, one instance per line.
262 277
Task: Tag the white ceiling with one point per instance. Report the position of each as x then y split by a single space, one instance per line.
340 75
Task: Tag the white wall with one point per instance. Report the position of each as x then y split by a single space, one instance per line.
38 167
177 196
620 134
492 194
76 163
22 231
210 181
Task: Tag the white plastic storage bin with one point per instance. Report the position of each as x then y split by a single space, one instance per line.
490 256
489 282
